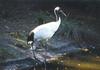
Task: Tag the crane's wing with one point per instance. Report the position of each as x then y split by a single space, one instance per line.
44 31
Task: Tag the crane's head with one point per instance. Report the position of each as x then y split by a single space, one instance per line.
59 10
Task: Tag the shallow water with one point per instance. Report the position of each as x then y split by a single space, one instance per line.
67 56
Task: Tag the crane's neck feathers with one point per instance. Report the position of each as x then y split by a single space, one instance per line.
59 20
56 14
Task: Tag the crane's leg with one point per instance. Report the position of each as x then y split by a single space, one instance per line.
46 48
33 51
45 56
43 46
32 54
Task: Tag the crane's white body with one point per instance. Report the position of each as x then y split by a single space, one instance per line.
46 31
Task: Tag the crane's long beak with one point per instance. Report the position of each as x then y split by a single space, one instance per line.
63 13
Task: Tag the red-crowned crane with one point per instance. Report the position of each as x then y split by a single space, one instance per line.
44 31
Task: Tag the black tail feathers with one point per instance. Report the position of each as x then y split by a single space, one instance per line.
30 38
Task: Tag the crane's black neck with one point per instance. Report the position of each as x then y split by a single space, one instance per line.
56 14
